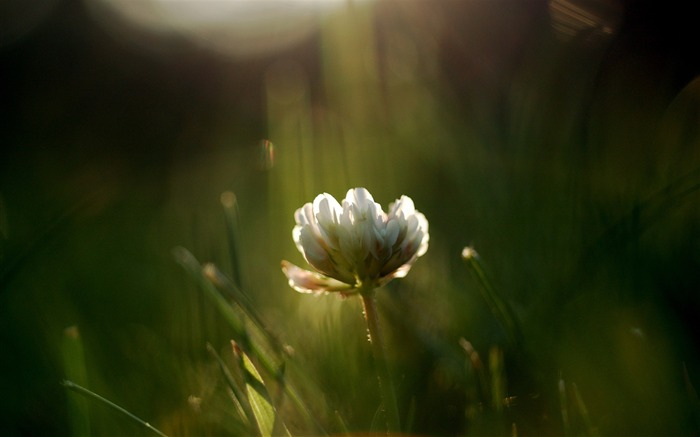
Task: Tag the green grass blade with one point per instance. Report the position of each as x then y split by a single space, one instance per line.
209 278
231 290
230 205
499 307
341 423
192 266
476 366
237 386
261 334
498 378
259 398
563 405
76 370
82 390
583 410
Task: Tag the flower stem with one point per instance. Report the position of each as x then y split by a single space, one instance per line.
385 384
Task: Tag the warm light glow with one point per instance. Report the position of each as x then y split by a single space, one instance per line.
570 17
230 27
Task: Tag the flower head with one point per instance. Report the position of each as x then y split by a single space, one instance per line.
355 244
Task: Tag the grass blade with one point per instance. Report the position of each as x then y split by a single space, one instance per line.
230 205
192 266
498 378
268 355
82 390
76 370
499 307
563 405
237 387
259 398
583 410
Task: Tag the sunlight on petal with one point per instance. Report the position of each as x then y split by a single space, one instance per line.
305 281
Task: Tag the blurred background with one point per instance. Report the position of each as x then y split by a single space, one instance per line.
560 139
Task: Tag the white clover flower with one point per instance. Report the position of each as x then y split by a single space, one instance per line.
355 245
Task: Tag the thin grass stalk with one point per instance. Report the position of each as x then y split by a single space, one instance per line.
477 366
563 405
583 410
499 307
498 378
386 385
231 216
341 423
76 370
84 391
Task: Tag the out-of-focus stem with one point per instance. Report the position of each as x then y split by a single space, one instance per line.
498 306
385 384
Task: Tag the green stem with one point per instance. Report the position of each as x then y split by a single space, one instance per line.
385 384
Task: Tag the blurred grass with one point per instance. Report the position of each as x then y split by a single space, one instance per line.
570 165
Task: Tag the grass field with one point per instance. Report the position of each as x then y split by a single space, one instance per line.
149 178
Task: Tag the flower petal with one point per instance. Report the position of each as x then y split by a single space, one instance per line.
327 215
314 252
423 225
305 281
355 241
402 207
398 273
359 196
392 232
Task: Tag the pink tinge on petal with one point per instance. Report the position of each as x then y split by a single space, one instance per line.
305 281
398 273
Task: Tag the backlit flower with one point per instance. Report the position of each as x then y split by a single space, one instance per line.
354 244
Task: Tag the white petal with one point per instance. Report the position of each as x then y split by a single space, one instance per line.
307 212
296 236
327 211
305 281
345 240
313 251
402 207
412 225
423 224
359 196
326 208
392 232
377 217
